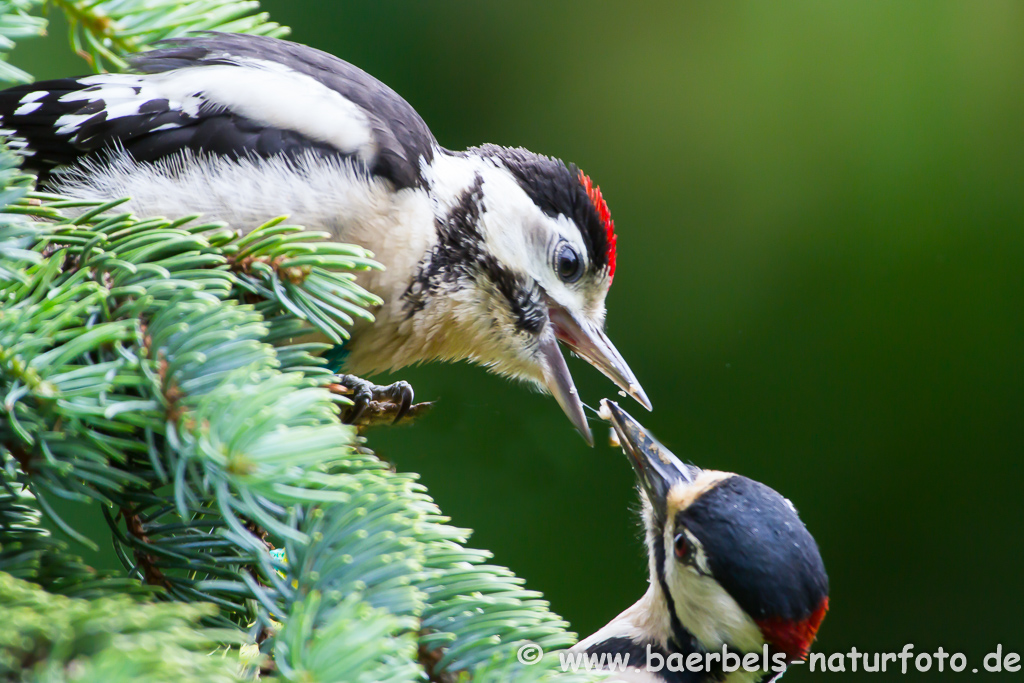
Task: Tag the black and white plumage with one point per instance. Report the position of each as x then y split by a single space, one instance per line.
731 565
492 255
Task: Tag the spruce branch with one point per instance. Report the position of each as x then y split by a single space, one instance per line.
49 637
132 367
17 22
30 552
105 33
151 367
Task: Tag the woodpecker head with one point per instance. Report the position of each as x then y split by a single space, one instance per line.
527 247
732 561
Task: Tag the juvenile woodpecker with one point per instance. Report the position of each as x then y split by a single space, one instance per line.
492 255
731 565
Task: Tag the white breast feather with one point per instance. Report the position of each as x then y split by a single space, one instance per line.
331 195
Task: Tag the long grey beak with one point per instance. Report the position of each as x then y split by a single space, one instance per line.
656 468
593 345
559 383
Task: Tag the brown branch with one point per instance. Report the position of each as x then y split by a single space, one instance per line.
429 660
22 456
148 563
294 274
383 413
171 391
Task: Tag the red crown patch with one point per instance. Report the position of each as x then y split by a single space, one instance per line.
594 192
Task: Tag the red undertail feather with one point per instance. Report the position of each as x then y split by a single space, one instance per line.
794 637
594 192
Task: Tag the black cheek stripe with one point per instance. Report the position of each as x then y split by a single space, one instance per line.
683 639
460 255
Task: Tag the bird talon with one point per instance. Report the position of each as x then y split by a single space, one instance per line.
370 401
405 402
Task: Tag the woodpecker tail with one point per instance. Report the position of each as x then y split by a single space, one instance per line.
38 113
65 119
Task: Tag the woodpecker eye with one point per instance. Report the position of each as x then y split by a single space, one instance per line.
568 263
682 546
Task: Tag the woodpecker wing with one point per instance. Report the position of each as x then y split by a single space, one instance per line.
224 94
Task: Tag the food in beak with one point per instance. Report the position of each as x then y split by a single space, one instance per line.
657 468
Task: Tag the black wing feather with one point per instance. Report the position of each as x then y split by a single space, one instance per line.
402 136
402 140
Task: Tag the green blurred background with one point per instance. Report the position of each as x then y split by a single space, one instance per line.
821 285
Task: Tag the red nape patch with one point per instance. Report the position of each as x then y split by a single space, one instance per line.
793 637
594 192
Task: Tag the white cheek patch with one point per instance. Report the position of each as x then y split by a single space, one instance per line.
507 210
517 232
544 234
705 609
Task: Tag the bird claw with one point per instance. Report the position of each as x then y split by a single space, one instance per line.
395 398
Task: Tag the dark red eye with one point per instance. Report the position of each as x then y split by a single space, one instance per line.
682 547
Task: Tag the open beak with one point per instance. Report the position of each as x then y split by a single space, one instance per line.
656 468
591 343
559 383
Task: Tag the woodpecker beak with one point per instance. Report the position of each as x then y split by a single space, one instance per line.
559 383
591 344
657 469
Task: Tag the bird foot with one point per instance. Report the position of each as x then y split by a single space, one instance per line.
373 404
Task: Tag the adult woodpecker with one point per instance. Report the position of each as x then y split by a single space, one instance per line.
492 255
731 565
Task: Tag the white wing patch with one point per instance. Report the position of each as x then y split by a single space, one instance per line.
265 92
69 123
30 102
121 95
